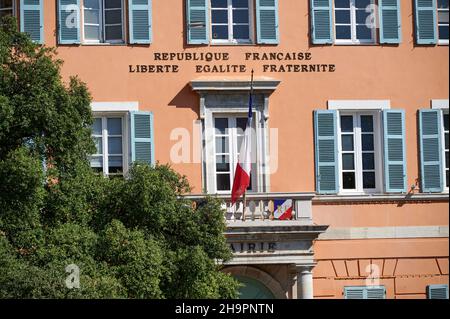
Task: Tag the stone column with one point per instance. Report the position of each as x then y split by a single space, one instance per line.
305 282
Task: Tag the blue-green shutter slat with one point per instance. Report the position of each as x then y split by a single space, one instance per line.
197 21
394 151
325 126
31 19
390 21
69 21
140 21
142 137
430 151
321 21
437 292
267 21
426 26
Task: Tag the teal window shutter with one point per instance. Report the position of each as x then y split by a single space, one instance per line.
426 26
31 19
267 21
321 21
394 151
325 126
197 12
142 137
390 21
437 292
140 21
69 21
430 151
366 292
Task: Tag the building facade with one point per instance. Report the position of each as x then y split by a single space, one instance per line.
349 190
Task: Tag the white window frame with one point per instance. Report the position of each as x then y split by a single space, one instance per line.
231 40
353 40
233 150
378 145
13 8
441 42
125 141
443 150
102 25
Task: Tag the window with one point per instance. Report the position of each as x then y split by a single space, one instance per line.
353 21
103 21
6 8
359 152
228 137
446 149
230 21
108 135
365 292
443 16
437 292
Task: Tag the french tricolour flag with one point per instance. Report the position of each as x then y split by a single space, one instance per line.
243 168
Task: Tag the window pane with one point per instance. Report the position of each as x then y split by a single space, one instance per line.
5 3
4 13
347 143
241 124
342 3
111 4
361 16
347 123
113 16
348 162
98 145
363 32
115 161
241 32
446 122
342 16
367 123
91 16
222 145
91 32
343 32
446 141
221 125
368 161
446 159
240 3
443 16
223 182
113 33
114 126
443 4
222 163
348 180
220 32
447 177
219 16
443 32
97 161
97 127
115 145
367 142
369 180
362 3
240 16
91 4
218 3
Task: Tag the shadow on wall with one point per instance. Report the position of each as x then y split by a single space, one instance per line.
186 98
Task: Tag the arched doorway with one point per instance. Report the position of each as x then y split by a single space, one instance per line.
253 289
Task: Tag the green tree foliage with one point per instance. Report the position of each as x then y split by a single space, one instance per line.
131 238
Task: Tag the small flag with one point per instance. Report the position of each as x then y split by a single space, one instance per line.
283 209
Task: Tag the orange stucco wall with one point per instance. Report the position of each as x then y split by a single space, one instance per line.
409 76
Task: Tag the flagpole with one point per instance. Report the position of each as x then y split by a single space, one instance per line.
245 191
